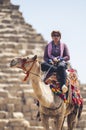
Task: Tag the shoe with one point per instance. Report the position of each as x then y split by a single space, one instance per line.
64 88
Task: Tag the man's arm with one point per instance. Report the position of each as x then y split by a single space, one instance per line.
66 55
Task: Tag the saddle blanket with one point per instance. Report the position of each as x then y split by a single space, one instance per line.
76 96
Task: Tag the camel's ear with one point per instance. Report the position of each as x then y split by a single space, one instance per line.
35 57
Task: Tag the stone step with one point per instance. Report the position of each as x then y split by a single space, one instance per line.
14 39
34 123
84 108
14 123
83 115
83 93
82 124
17 89
4 54
84 99
35 128
10 80
7 44
14 74
11 30
4 115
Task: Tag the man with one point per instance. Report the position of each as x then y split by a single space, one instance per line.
57 53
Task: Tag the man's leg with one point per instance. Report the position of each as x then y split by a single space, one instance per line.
61 74
48 68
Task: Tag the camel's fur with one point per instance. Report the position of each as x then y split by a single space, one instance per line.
50 105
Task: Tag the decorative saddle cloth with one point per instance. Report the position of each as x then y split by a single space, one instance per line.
72 80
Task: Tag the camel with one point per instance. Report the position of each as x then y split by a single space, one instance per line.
51 105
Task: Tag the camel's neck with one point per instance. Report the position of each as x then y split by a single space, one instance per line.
43 92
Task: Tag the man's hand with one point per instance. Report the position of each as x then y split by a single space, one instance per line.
51 61
55 59
60 59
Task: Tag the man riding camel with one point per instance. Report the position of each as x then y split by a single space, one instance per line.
56 53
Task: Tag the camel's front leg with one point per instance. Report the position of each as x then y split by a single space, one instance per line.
58 122
45 121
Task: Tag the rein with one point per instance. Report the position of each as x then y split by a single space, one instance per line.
29 71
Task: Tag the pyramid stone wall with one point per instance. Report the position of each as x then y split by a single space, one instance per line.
17 38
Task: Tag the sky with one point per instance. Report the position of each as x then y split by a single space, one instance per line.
67 16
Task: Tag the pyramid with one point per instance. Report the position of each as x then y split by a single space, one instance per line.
17 38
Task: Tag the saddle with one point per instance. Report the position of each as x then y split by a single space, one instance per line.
72 81
72 78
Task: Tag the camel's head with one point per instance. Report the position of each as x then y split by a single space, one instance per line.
26 64
21 62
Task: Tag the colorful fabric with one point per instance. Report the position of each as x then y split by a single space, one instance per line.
50 49
73 77
57 91
76 96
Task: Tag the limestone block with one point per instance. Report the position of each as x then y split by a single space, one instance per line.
6 21
4 93
14 100
82 124
8 128
12 88
3 123
1 26
6 2
1 128
16 16
35 122
83 115
26 108
84 94
19 128
18 122
3 114
29 93
28 115
18 115
2 100
3 107
78 129
18 107
29 101
10 108
84 101
19 94
35 128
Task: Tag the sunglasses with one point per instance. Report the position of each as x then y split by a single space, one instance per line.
56 35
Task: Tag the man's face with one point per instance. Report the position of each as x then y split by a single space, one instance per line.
56 37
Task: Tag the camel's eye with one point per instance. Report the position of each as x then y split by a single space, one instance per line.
28 58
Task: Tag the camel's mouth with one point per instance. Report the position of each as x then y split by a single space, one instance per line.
13 63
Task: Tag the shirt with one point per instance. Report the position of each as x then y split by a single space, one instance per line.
56 51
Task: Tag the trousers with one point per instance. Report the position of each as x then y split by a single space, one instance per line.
59 68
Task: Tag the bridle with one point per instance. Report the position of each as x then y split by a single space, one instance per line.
27 72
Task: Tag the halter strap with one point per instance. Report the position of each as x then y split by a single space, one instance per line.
28 72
